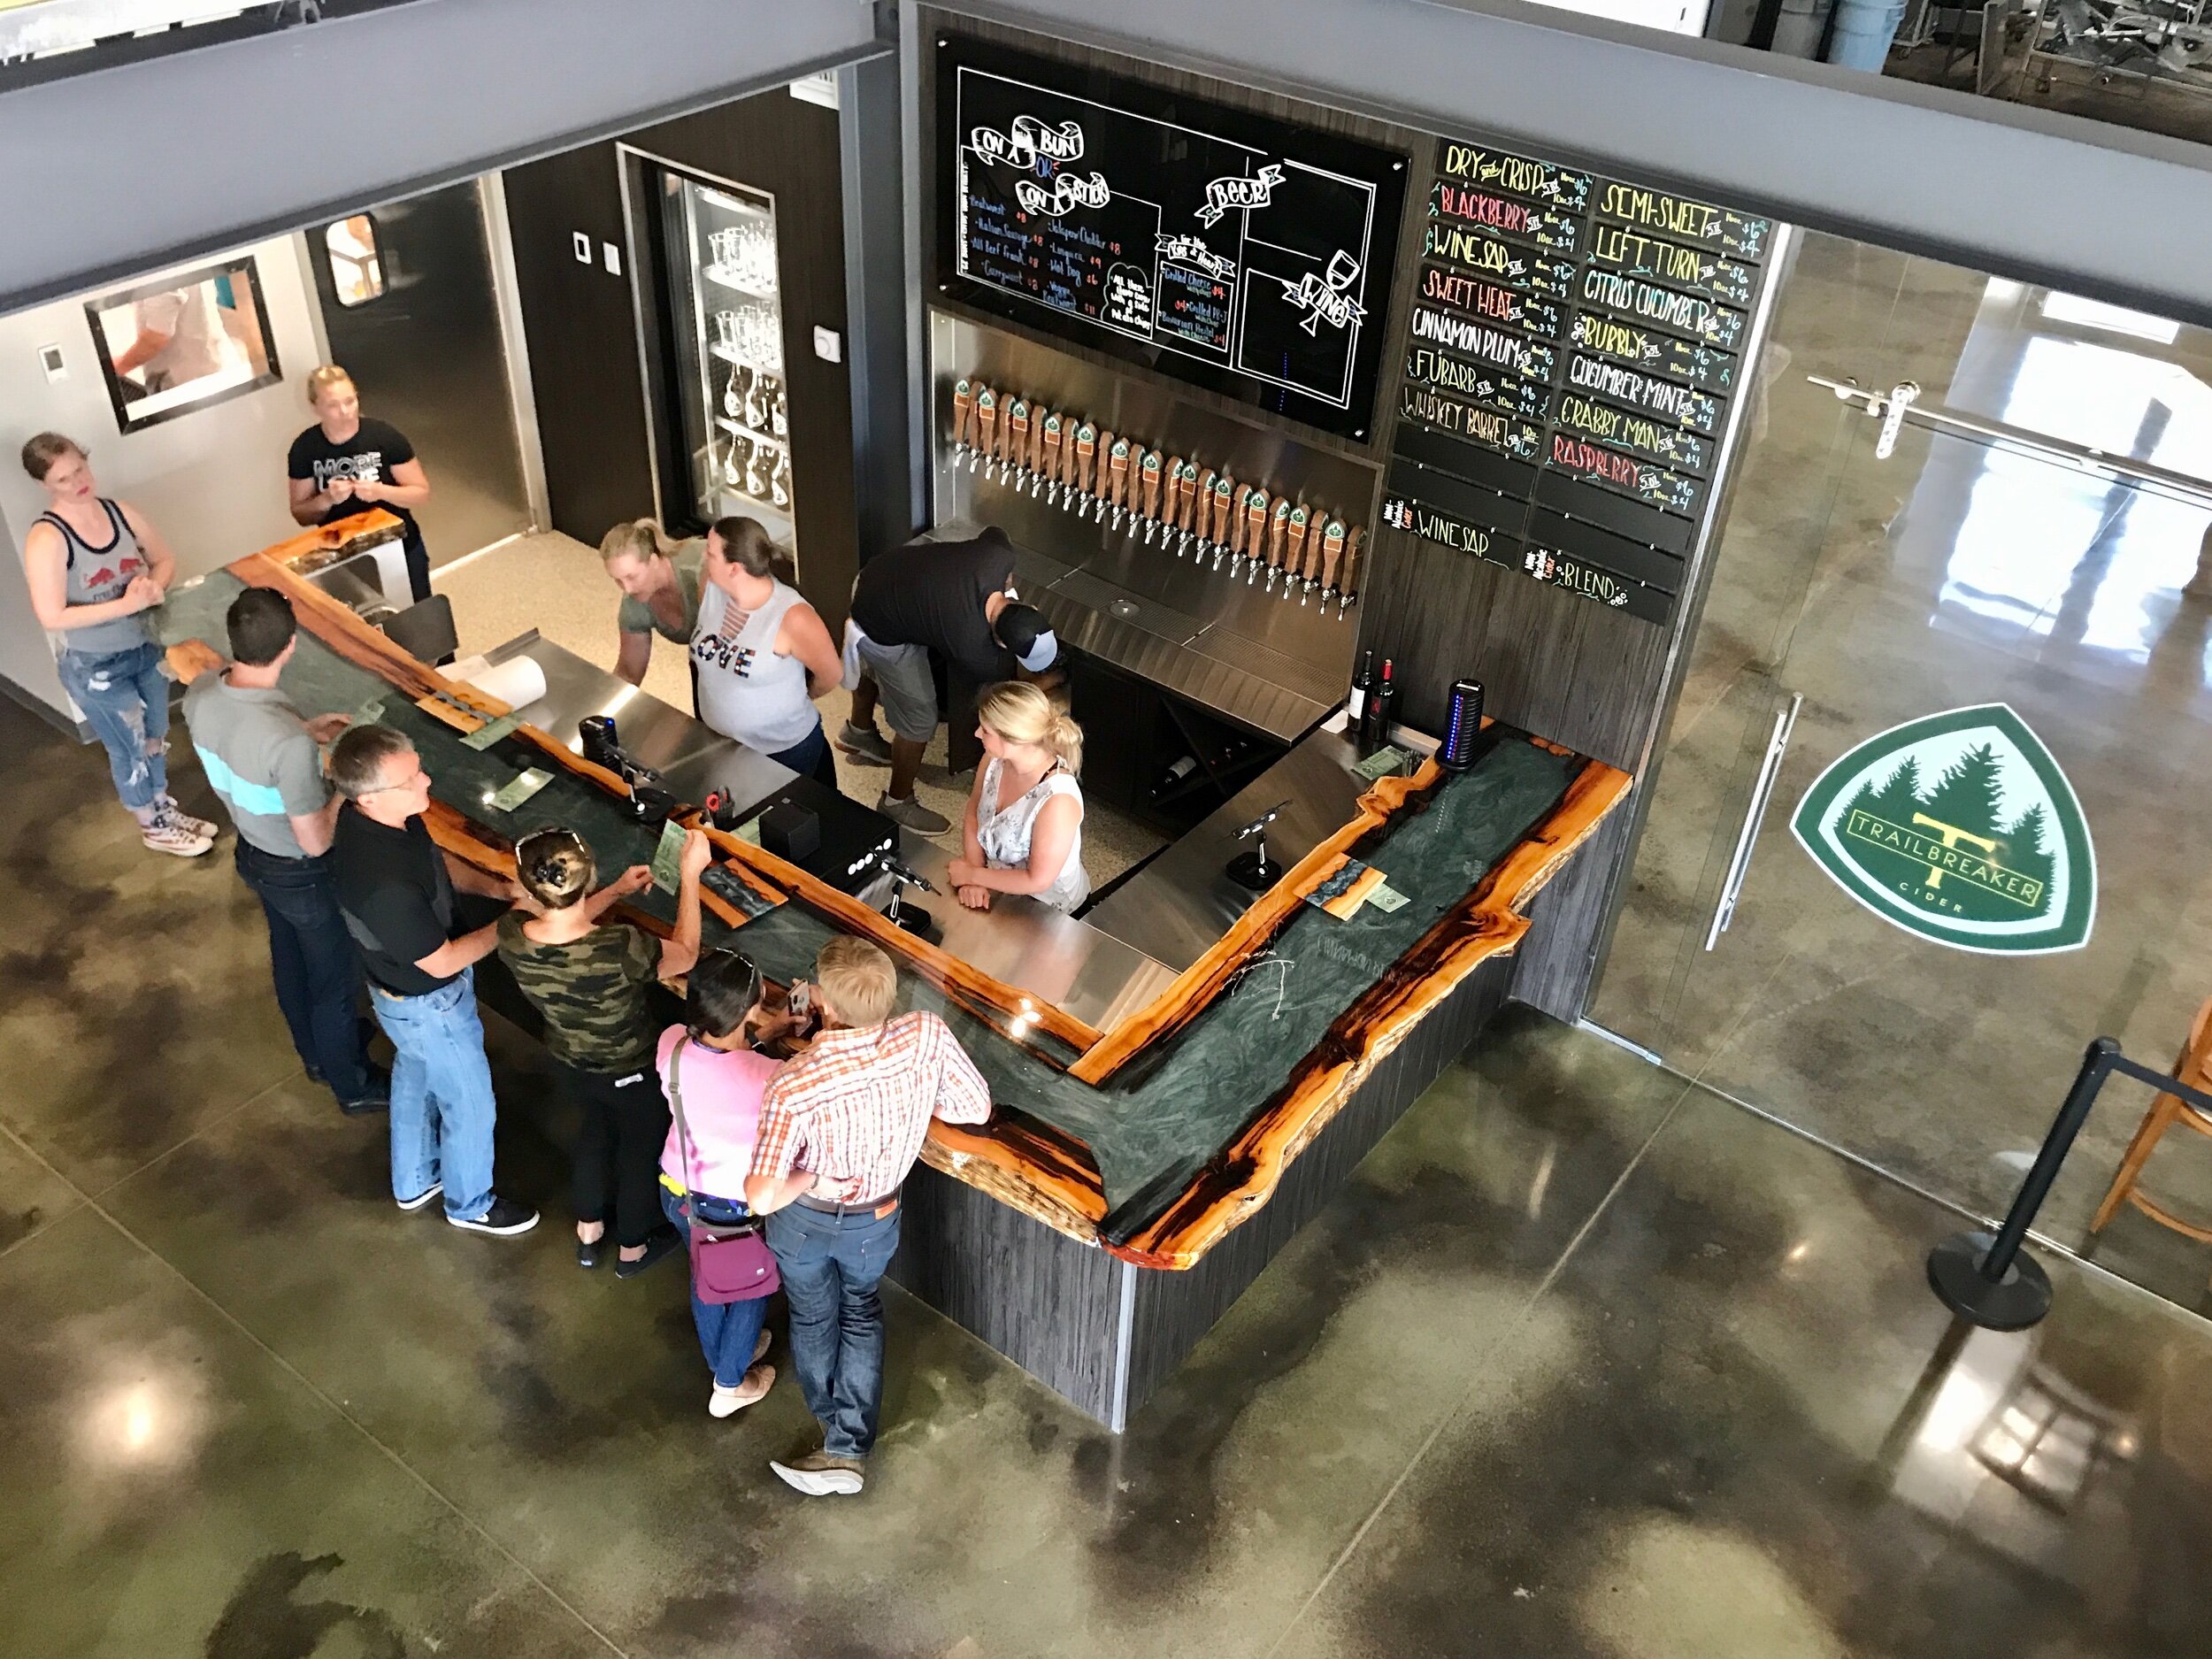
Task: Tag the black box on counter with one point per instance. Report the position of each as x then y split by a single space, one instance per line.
790 831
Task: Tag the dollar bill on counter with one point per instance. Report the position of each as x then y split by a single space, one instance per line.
517 789
1383 897
668 857
1389 761
485 735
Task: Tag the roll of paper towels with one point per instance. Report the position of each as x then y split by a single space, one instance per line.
516 682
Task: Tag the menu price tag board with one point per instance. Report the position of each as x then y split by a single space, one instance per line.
1235 252
1570 355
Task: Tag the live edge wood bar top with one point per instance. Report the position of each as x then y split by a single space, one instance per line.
1152 1139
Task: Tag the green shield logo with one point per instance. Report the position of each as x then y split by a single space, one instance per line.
1959 827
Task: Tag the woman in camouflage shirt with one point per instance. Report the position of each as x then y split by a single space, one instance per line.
588 979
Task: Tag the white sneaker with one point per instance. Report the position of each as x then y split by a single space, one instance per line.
167 811
725 1402
174 837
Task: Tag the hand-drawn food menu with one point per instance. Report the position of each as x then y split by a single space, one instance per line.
1573 348
1239 253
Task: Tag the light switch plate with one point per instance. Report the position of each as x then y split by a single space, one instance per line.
610 257
583 244
49 359
829 345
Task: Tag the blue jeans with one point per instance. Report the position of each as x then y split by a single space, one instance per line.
728 1330
125 697
311 955
442 1096
811 757
831 1266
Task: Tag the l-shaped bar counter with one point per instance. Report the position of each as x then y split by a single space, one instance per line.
1135 1177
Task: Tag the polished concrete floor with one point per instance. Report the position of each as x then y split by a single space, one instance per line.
1583 1361
1881 589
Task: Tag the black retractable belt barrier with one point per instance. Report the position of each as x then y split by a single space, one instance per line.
1983 1277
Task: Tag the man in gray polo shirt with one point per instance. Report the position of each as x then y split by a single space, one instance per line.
262 759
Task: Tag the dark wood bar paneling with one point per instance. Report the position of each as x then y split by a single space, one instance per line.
1173 1311
1049 1303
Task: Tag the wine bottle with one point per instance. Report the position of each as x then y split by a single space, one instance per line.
1176 771
1375 719
1355 705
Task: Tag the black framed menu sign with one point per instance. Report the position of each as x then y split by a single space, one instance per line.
1573 348
1234 251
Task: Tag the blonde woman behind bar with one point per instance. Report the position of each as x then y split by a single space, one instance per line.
1023 828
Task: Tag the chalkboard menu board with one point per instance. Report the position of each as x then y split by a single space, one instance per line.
1572 352
1239 253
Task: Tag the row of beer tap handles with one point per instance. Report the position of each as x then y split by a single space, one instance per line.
1192 509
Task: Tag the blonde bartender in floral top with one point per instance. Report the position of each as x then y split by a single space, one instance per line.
762 654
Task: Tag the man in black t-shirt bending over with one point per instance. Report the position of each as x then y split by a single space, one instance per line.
956 598
346 464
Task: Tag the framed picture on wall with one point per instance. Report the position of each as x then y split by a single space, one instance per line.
182 343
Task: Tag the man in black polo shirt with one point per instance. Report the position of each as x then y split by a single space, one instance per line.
396 890
956 598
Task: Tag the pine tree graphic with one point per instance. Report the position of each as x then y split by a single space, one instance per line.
2024 849
1898 798
1966 796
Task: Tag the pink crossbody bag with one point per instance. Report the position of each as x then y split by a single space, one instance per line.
729 1260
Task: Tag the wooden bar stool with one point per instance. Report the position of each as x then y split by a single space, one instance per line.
2194 1068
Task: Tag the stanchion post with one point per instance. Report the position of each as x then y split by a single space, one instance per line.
1983 1277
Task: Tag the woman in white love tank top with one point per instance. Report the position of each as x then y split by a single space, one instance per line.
763 654
1024 829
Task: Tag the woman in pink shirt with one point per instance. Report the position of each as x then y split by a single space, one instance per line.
711 1060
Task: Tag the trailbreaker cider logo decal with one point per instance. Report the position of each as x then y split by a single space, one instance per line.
1959 827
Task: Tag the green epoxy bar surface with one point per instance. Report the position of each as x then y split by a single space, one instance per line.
1154 1126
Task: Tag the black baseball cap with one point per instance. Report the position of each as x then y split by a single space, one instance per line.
1022 629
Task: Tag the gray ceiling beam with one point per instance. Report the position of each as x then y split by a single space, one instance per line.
120 170
2025 193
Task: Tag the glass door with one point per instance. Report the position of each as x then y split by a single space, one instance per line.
1974 554
721 292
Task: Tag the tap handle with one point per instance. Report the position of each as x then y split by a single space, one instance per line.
1256 508
986 423
1355 545
1052 446
963 412
1083 465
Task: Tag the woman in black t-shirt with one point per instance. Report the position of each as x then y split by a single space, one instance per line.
346 464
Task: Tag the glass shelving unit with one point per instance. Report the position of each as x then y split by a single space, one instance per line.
721 243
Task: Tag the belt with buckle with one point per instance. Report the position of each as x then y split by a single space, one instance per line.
877 1207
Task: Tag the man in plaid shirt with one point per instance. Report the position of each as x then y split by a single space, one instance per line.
839 1126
